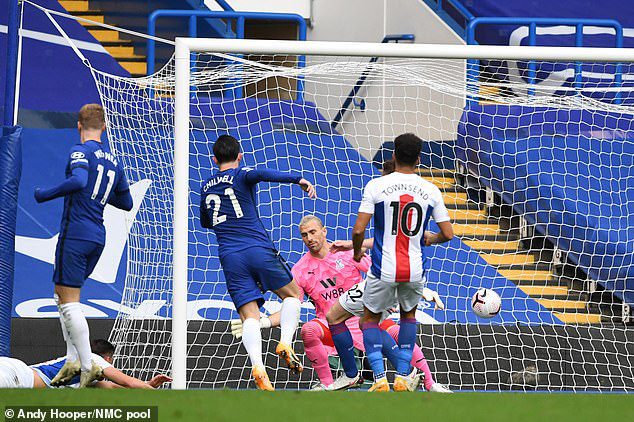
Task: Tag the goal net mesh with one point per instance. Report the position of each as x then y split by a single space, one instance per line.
537 179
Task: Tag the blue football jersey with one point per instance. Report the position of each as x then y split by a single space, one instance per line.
82 218
228 206
49 369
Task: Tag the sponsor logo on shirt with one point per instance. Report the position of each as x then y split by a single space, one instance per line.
77 155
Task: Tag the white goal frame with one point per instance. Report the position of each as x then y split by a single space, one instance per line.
185 46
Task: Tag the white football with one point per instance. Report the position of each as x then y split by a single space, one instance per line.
486 303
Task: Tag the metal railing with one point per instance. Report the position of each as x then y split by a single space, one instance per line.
533 23
240 18
355 90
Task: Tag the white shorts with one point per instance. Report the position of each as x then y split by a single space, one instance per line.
15 374
352 301
379 295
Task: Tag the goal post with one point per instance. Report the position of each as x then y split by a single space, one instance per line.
182 183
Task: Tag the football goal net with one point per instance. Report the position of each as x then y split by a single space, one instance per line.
534 158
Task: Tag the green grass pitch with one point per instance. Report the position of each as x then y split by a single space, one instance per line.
208 405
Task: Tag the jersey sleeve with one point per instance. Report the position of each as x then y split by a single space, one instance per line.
122 183
368 200
253 176
100 361
439 213
78 157
205 221
363 265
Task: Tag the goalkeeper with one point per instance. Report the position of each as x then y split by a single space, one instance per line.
328 275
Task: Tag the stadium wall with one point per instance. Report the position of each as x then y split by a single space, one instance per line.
343 21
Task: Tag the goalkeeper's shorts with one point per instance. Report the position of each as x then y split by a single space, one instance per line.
251 272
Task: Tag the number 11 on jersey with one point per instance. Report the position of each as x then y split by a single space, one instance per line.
216 199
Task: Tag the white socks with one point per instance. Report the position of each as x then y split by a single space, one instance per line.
77 330
252 340
71 352
289 318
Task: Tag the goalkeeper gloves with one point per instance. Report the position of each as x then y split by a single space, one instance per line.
431 296
236 326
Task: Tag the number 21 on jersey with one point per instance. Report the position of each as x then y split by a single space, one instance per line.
216 200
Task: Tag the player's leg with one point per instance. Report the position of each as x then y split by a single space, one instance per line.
76 260
378 297
289 320
313 336
273 274
337 316
247 298
418 359
408 295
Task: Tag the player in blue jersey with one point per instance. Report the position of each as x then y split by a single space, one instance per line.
250 263
94 178
16 374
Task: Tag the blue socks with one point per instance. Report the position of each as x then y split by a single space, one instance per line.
373 343
345 348
390 348
406 342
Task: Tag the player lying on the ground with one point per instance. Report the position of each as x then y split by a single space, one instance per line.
94 178
16 374
324 275
400 204
250 263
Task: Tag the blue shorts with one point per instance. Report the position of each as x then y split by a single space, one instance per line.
253 271
74 261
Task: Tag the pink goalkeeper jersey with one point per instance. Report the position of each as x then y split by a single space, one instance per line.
324 280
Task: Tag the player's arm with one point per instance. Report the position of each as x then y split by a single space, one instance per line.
121 198
76 182
123 380
366 209
358 234
441 217
267 175
346 245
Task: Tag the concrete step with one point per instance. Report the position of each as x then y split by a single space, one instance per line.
468 230
526 274
75 5
135 68
578 318
91 17
105 35
493 246
562 303
509 259
441 182
451 198
546 290
467 215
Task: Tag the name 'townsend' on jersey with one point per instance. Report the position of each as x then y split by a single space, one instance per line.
402 205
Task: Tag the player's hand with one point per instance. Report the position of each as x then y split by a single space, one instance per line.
430 238
431 296
236 328
38 196
158 380
359 256
341 246
308 188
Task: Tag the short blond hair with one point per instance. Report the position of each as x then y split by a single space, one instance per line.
91 117
308 218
